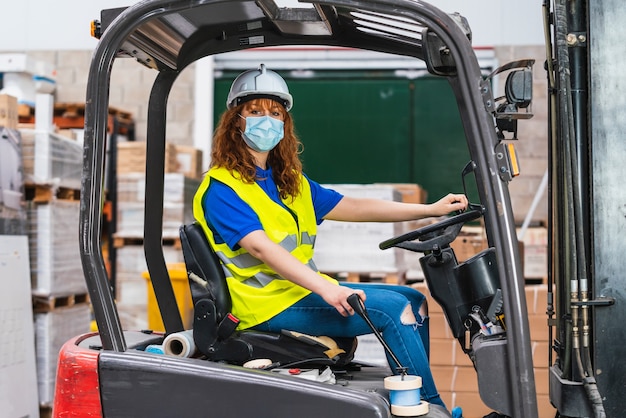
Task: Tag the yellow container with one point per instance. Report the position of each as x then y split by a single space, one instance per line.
180 284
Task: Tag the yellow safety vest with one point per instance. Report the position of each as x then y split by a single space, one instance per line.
257 292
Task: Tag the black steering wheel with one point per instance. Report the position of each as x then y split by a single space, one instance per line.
439 234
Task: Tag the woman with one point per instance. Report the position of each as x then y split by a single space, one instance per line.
260 214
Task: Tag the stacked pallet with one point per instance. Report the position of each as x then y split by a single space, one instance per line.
132 288
181 180
177 204
52 167
350 251
60 301
51 159
57 321
61 304
56 269
18 384
131 158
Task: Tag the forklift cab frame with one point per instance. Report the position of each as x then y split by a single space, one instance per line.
168 36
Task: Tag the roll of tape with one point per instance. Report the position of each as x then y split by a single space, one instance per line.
411 411
180 344
404 395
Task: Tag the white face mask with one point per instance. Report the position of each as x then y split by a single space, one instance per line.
263 133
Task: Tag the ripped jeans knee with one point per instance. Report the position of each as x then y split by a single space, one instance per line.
408 317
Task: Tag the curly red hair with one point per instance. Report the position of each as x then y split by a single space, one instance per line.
231 152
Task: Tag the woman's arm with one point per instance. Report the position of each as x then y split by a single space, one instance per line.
377 210
258 244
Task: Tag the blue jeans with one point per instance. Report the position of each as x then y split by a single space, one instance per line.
385 305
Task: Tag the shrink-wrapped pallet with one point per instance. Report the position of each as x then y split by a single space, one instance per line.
353 246
177 204
131 287
51 158
56 268
12 212
52 330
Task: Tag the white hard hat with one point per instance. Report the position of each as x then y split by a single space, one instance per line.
260 83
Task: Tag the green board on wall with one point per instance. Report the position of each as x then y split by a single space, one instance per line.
363 127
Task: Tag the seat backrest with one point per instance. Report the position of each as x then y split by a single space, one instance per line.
202 261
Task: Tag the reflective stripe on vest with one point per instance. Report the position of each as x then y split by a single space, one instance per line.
257 292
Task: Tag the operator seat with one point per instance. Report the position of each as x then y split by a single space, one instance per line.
214 326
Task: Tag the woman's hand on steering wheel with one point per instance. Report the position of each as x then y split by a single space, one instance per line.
448 204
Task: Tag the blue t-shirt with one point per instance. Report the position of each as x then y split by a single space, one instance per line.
231 219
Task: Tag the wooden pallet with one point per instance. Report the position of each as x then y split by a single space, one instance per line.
42 304
44 193
72 116
25 111
76 110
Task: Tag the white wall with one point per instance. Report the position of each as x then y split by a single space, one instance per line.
41 25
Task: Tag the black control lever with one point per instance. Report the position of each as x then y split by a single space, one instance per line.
357 304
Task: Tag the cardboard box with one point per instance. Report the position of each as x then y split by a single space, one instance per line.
442 352
542 381
443 376
537 298
464 379
538 324
131 157
409 192
8 111
535 241
190 161
473 406
438 325
460 358
535 261
541 354
545 407
433 307
468 244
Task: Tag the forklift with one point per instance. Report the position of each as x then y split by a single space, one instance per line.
112 372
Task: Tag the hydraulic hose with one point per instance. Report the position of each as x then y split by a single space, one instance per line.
566 125
552 134
577 268
593 394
